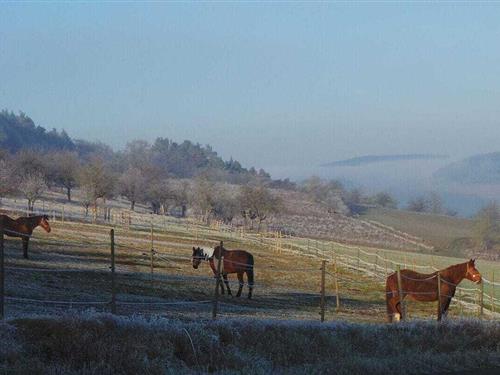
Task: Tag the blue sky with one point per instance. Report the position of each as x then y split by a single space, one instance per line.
283 84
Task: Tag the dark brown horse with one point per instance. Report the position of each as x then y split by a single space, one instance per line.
234 261
23 228
424 287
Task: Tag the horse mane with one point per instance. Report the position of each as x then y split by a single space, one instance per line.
207 252
455 270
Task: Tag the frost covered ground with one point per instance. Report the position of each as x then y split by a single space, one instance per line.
93 343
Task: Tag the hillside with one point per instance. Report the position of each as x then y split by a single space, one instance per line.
183 160
477 169
19 131
440 231
368 159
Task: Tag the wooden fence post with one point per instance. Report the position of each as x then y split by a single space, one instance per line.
62 214
337 297
217 281
322 300
113 286
492 292
461 308
481 299
400 293
2 271
359 257
152 251
440 309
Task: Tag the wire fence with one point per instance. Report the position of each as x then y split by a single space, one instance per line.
144 282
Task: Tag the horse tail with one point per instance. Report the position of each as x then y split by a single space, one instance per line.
250 270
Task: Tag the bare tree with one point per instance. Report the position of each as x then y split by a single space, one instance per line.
32 186
418 204
7 182
226 206
203 197
331 194
98 181
29 162
487 226
63 170
257 203
160 195
181 196
384 199
132 185
87 198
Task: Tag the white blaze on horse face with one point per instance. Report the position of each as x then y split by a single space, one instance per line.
397 317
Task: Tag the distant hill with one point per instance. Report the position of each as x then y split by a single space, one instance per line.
184 160
19 131
367 159
483 168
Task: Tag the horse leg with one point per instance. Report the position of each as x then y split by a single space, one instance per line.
398 316
224 275
446 307
250 282
221 284
445 304
391 300
393 310
240 280
25 247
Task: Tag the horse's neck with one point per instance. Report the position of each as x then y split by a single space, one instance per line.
455 274
31 222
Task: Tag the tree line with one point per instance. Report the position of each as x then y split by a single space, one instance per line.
181 160
29 174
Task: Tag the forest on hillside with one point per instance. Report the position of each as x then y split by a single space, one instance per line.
19 132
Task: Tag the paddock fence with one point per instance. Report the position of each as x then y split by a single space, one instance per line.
136 272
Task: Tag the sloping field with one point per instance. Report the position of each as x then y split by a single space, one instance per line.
437 230
69 269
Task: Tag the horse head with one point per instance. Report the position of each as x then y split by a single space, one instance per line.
198 256
44 223
472 272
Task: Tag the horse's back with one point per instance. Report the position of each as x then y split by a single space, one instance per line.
414 275
239 258
7 221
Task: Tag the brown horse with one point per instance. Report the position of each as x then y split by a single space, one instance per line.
423 287
23 228
235 261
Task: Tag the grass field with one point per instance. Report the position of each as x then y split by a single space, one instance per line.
287 283
437 230
58 319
